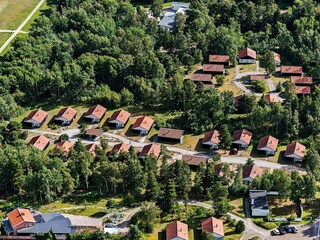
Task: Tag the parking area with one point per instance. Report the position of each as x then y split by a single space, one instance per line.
305 232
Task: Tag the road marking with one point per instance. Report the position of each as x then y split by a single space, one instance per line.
3 47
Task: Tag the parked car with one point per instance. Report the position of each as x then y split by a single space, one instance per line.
287 229
294 229
275 232
282 230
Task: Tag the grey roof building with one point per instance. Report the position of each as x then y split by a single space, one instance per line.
259 203
170 13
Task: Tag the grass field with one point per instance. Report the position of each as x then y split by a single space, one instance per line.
43 8
4 37
13 12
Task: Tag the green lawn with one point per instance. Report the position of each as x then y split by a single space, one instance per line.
4 37
43 8
13 12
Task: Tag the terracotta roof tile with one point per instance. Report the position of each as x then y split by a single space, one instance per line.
305 80
213 68
64 146
170 133
144 122
121 147
295 148
242 135
212 136
195 160
219 58
40 142
94 132
92 148
67 113
257 77
96 110
291 69
268 142
151 150
303 90
272 98
247 52
20 215
37 116
212 225
201 77
218 169
121 115
176 230
251 171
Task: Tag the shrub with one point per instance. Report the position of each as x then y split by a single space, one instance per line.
265 225
53 126
259 86
63 137
111 203
240 227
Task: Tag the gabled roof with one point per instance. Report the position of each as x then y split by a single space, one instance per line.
213 67
268 142
177 229
67 113
65 146
291 69
94 132
251 171
121 147
219 58
295 148
272 98
195 160
247 52
212 136
37 116
303 90
237 100
170 133
91 148
218 169
242 135
257 77
39 142
151 150
143 122
20 215
121 116
200 77
212 225
96 110
276 56
305 80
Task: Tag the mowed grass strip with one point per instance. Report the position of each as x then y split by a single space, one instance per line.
4 37
13 12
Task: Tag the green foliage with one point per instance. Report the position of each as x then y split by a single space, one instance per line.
147 217
240 227
265 225
63 137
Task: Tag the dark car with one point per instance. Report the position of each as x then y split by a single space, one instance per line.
294 229
287 229
282 230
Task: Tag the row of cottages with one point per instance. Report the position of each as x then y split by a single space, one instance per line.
303 83
249 56
217 64
151 149
179 231
23 222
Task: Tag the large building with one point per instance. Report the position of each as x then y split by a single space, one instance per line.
167 21
259 203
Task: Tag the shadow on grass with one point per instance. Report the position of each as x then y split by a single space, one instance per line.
98 215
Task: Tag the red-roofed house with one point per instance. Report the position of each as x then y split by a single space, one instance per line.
65 116
295 151
268 144
301 80
214 226
211 139
213 68
119 118
36 118
95 113
259 77
121 147
250 172
219 169
195 160
40 142
19 218
201 77
242 138
219 59
150 150
303 90
272 98
64 146
177 231
291 70
92 148
142 125
170 135
247 55
277 58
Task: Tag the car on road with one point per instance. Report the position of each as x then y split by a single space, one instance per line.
294 229
275 232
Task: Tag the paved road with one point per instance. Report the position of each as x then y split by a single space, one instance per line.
115 139
11 31
15 33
